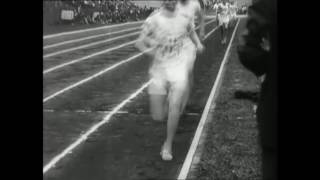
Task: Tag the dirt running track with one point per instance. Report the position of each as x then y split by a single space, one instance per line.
126 148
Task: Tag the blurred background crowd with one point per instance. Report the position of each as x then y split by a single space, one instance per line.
93 11
104 11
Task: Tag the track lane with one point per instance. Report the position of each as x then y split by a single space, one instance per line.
217 49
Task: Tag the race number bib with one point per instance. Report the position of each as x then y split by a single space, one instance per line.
170 47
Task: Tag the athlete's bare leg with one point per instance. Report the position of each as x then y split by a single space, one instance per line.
186 95
158 107
175 101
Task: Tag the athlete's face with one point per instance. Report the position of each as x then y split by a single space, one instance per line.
170 4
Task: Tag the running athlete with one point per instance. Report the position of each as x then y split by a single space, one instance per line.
193 9
223 17
217 10
233 12
174 44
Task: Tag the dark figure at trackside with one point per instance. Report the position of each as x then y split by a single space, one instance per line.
260 59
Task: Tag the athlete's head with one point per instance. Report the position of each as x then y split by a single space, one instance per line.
170 4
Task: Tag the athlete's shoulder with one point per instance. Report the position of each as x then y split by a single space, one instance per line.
151 21
153 16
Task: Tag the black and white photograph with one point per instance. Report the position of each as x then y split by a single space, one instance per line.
160 90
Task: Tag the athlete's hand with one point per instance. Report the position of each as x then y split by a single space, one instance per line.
200 48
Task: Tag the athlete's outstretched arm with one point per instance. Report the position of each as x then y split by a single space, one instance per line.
201 16
195 39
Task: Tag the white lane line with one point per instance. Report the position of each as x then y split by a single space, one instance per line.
88 45
238 16
93 44
188 160
207 23
88 37
82 111
100 73
87 57
83 137
213 30
91 77
95 54
91 29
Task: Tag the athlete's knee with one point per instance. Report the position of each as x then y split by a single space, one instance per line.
176 102
175 109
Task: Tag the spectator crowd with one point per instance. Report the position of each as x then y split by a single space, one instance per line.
95 11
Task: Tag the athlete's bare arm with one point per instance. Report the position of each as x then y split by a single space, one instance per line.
195 39
201 16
